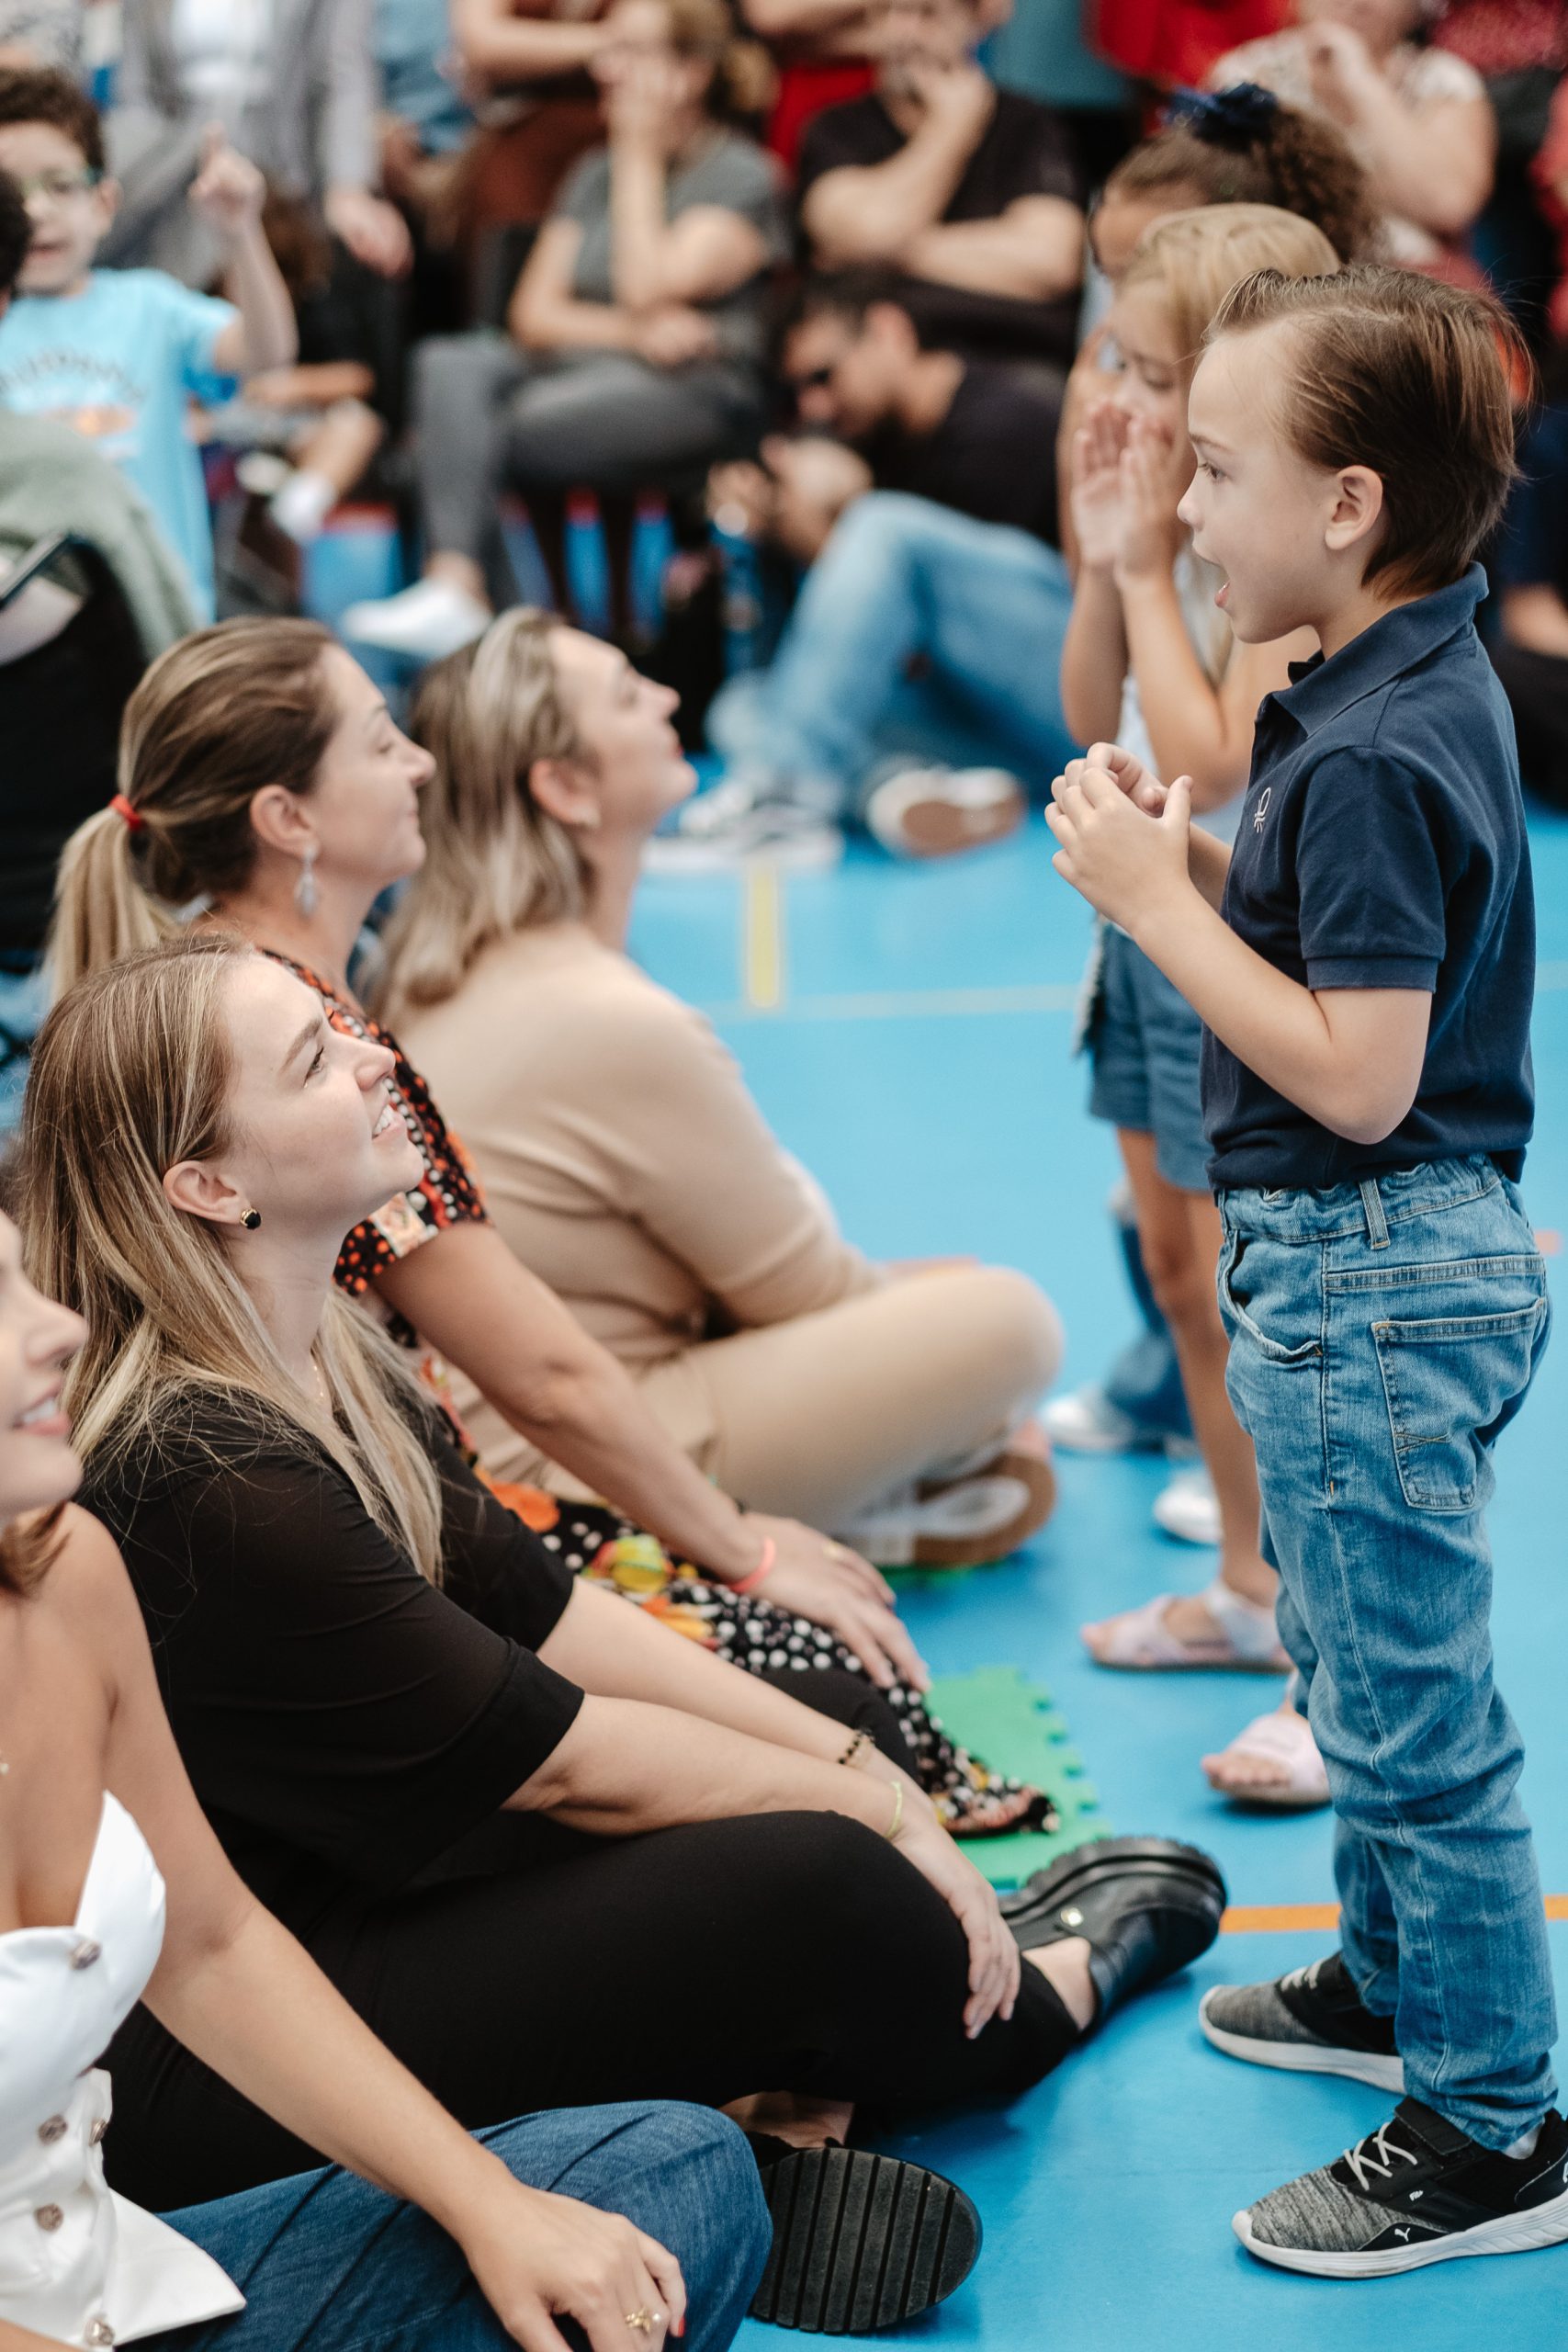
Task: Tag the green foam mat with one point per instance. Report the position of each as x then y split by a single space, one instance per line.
1014 1726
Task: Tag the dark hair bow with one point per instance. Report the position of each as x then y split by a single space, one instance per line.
1232 117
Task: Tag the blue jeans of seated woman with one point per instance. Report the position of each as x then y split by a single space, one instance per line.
328 2263
1382 1335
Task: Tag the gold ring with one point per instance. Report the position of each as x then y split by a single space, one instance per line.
641 2320
838 1552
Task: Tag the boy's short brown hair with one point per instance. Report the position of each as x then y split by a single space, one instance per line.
30 94
1408 376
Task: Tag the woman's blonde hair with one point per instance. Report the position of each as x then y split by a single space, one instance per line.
495 861
1196 257
220 715
131 1075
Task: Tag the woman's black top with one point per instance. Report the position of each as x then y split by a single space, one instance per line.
345 1723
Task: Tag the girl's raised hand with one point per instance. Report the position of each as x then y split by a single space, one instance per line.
1150 531
1095 488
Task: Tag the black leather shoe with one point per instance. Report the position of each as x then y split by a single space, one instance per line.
1147 1906
859 2241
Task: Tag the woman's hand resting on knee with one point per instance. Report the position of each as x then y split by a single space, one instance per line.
994 1961
538 2257
834 1587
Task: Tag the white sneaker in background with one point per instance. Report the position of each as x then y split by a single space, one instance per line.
300 506
940 812
431 619
1086 1421
1185 1509
745 820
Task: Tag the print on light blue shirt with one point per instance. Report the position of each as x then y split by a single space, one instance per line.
120 361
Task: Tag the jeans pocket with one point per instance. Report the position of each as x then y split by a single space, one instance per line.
1237 1318
1451 1383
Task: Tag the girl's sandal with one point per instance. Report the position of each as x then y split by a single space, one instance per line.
1140 1641
1284 1740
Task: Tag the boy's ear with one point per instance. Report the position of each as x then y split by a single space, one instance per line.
1357 514
108 193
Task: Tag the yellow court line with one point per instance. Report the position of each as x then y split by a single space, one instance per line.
763 945
1280 1918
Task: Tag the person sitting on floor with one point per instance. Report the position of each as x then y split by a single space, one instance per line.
624 1159
638 328
456 1770
100 1829
297 868
972 193
951 460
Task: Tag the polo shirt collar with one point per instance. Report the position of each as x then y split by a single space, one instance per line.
1321 689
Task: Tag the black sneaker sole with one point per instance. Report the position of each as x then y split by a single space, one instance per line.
860 2241
1384 2073
1539 2225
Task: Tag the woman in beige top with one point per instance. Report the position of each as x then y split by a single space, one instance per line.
626 1164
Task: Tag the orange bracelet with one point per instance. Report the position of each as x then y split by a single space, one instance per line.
764 1568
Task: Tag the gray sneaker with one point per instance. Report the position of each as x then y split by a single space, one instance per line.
1311 2023
1415 2191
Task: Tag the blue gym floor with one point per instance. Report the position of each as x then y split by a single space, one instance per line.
907 1031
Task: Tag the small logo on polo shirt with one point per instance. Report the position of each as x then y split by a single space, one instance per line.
1263 809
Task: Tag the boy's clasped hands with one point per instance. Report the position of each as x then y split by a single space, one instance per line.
1122 836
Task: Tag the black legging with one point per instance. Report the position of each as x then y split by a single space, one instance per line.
783 1951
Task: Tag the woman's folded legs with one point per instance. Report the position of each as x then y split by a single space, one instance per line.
783 1951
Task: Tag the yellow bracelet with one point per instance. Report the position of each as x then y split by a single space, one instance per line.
896 1823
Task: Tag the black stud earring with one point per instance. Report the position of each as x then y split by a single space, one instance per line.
251 1219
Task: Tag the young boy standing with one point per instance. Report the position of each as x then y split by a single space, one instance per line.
1363 962
120 353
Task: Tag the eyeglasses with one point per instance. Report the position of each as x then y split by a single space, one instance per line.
58 187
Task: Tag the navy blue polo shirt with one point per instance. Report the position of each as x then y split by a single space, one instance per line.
1381 846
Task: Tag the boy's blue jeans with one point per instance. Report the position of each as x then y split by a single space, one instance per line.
1382 1336
328 2263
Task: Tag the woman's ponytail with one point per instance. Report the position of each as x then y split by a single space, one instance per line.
102 911
216 718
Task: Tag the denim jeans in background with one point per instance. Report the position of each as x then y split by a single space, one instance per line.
980 607
328 2263
1382 1336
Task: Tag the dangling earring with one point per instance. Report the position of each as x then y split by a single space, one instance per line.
251 1219
305 888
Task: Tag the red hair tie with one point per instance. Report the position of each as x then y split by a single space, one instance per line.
135 821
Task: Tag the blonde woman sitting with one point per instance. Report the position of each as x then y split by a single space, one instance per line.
625 1161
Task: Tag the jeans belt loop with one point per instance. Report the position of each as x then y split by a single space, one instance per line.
1377 1223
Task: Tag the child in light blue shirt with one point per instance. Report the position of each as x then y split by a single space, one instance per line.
120 353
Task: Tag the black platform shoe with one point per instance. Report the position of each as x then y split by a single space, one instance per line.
1145 1906
859 2241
